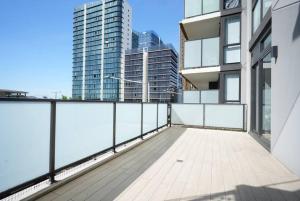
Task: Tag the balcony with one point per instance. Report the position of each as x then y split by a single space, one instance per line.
121 151
201 61
201 13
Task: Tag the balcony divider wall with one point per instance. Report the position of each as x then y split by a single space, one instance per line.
41 138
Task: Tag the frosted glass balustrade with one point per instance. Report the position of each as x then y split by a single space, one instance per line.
187 114
162 114
191 96
210 6
200 7
149 117
224 116
192 54
210 52
193 8
24 144
128 121
210 96
82 129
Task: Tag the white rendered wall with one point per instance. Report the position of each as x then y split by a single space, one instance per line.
285 141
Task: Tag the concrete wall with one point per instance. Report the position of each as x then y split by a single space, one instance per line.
285 144
246 58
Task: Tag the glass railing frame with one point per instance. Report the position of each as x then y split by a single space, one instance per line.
52 133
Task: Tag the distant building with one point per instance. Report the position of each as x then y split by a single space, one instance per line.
154 69
101 34
145 39
135 39
5 93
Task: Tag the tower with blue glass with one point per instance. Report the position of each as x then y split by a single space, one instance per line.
101 34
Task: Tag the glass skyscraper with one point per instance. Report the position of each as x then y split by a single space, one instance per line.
101 34
145 39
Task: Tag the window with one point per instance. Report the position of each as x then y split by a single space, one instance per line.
266 41
232 48
266 93
259 11
232 87
229 4
256 16
266 5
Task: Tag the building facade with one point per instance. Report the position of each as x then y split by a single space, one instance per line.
101 34
154 71
245 52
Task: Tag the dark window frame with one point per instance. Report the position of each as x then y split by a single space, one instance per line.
262 17
222 88
223 36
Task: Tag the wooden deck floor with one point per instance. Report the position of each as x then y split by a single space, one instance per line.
188 164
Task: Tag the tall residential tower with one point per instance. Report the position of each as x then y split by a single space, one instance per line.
101 34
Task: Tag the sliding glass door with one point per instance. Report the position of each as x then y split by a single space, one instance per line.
261 98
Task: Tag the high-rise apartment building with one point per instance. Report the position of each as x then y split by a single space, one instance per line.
151 72
247 51
101 34
151 69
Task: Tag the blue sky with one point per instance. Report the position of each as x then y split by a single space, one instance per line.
36 40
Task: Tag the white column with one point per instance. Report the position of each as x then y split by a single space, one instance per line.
83 54
102 51
145 76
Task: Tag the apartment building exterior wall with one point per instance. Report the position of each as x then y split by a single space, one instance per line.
269 42
101 34
156 65
217 62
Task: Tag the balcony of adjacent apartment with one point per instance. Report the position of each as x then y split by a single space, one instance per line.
90 150
201 13
202 62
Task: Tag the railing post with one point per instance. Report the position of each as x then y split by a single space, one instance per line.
157 118
170 115
204 115
114 127
244 118
142 119
200 96
52 142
